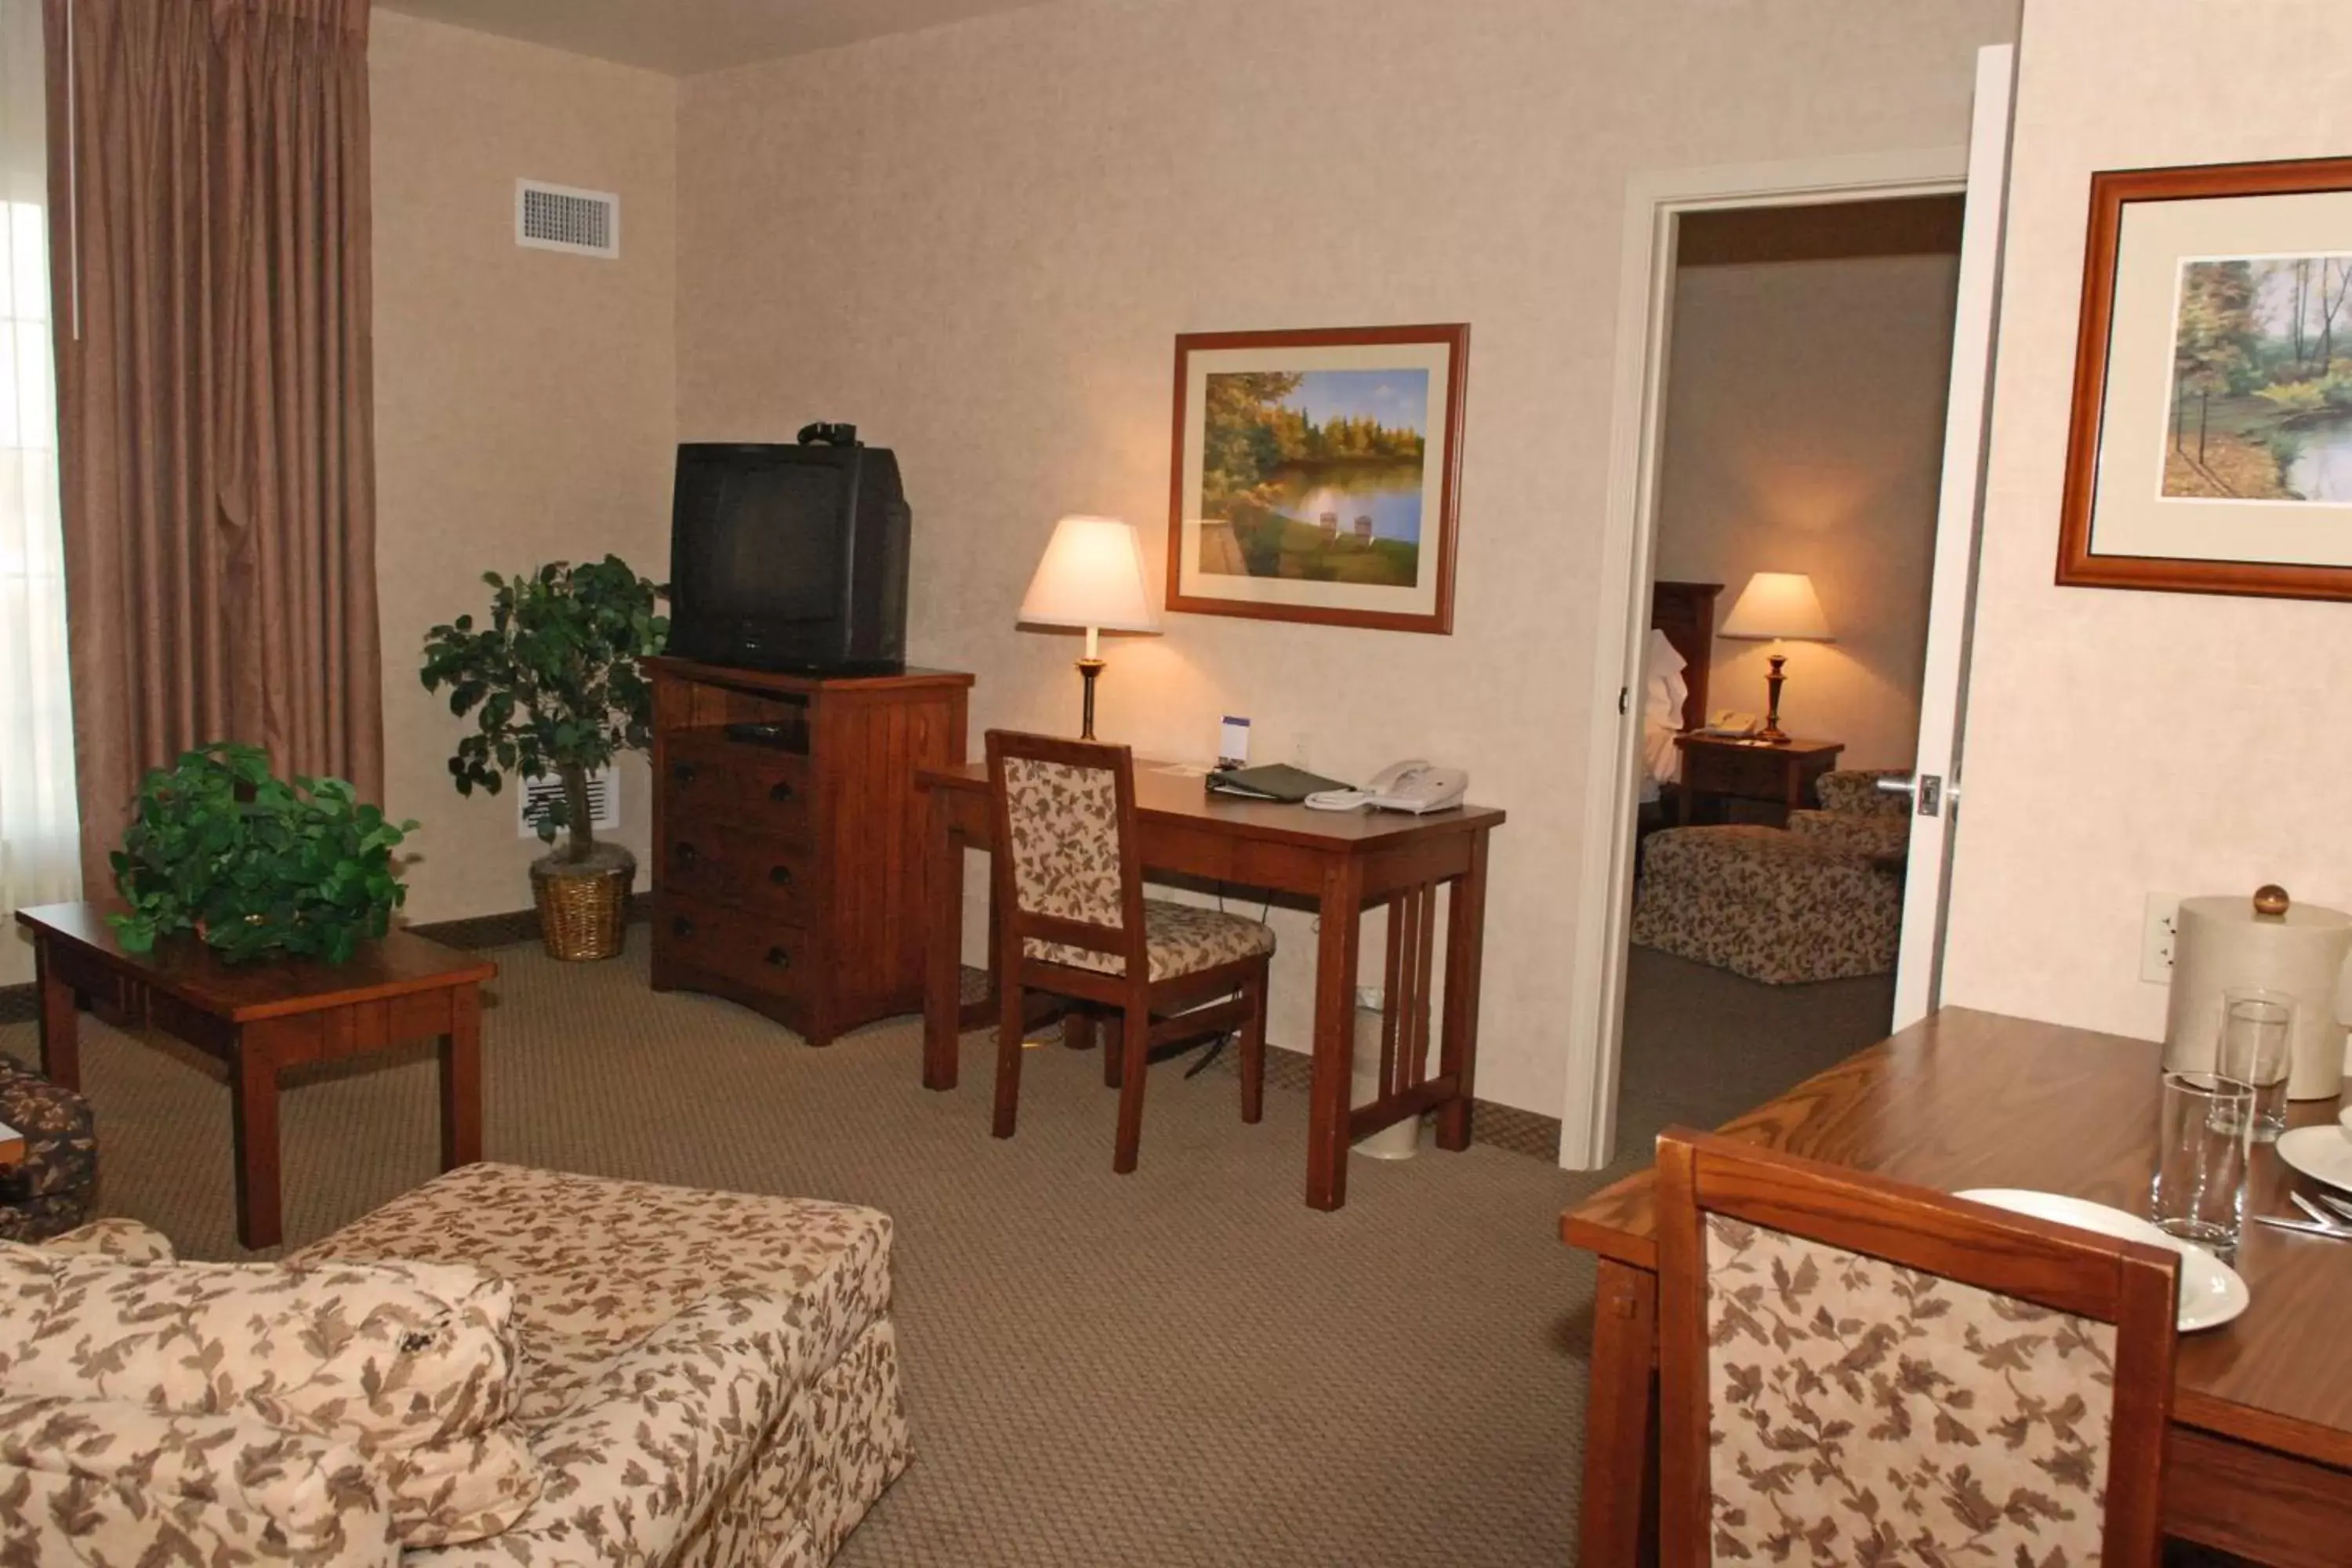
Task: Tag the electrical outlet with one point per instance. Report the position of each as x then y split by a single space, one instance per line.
2158 925
1302 745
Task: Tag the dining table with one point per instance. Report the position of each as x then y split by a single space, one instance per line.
2259 1455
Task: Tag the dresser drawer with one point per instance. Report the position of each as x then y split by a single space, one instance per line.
716 861
1751 772
714 779
751 949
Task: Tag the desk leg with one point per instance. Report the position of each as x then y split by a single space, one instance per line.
253 1125
461 1080
942 950
60 1023
1620 1422
1335 1032
1465 941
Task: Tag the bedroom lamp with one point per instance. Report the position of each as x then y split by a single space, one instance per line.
1777 607
1091 579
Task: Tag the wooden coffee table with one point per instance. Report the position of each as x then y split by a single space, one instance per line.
262 1017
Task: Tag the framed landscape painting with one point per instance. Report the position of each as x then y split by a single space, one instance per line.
2211 448
1314 475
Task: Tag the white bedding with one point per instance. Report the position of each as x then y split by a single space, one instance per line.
1662 692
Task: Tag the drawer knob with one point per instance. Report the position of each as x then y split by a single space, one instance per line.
781 875
685 854
682 771
780 791
779 959
680 926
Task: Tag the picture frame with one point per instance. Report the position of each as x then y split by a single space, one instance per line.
1315 475
2210 446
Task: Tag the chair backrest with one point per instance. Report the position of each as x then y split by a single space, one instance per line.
1855 791
1851 1371
1068 874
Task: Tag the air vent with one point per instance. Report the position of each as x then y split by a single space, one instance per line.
557 218
603 801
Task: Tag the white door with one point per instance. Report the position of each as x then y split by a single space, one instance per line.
1934 784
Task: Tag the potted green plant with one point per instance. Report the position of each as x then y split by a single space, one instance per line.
255 865
555 688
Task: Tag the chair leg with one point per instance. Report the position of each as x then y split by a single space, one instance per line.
1254 1049
1134 1047
1113 1050
1009 1032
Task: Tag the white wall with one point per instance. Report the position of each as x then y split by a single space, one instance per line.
2121 743
1804 432
525 399
979 242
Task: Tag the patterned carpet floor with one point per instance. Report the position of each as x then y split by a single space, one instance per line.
1181 1366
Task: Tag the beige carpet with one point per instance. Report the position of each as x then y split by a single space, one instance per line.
1181 1366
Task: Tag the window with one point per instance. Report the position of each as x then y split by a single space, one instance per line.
39 848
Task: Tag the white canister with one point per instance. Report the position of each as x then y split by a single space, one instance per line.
2221 942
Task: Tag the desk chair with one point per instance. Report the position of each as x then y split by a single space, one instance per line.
1852 1371
1072 920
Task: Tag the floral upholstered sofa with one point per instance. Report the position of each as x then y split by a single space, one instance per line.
505 1368
1820 900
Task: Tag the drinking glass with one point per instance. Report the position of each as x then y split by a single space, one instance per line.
2256 1048
2203 1144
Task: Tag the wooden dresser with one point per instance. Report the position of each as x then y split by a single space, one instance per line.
788 868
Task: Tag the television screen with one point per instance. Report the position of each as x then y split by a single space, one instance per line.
768 539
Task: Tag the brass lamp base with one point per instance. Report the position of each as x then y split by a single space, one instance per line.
1087 669
1772 734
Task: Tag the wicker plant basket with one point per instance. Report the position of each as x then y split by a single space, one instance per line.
583 906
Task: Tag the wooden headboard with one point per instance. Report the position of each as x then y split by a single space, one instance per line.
1686 613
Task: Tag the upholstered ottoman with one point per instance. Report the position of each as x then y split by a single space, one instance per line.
665 1438
52 1191
1772 905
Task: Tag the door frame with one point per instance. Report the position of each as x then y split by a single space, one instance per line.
1654 203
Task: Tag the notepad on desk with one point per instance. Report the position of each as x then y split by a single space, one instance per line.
1274 782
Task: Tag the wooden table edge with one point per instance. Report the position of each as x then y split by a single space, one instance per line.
469 971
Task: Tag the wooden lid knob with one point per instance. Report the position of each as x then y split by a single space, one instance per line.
2270 901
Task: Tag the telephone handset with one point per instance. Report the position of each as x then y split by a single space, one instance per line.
1412 786
1731 722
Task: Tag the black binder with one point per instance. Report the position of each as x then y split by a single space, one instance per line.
1274 782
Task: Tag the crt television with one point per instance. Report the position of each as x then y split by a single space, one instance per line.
790 557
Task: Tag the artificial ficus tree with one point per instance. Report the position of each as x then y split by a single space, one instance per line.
554 681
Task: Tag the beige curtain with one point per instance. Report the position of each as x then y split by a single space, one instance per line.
208 168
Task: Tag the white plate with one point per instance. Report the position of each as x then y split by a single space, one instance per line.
2322 1154
2211 1293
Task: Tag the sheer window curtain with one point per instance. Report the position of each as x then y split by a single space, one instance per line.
40 856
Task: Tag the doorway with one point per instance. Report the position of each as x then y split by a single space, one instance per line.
1656 206
1800 450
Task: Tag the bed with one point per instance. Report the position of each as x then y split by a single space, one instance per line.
1675 660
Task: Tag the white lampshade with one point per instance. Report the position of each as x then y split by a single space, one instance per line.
1778 605
1092 576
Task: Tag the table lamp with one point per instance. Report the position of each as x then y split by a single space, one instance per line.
1777 607
1091 578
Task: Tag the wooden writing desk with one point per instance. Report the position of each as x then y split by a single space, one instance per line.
2260 1460
1343 860
263 1017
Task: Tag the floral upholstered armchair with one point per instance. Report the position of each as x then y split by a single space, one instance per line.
52 1191
1855 814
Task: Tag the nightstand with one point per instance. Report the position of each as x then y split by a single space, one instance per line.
1723 768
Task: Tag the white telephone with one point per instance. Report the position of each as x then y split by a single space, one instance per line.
1412 786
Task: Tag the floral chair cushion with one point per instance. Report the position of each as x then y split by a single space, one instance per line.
124 1240
1064 824
1865 1413
1179 939
411 1364
1877 836
101 1483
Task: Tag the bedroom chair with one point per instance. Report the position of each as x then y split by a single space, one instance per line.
55 1187
1851 1370
1072 920
1856 814
1772 905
